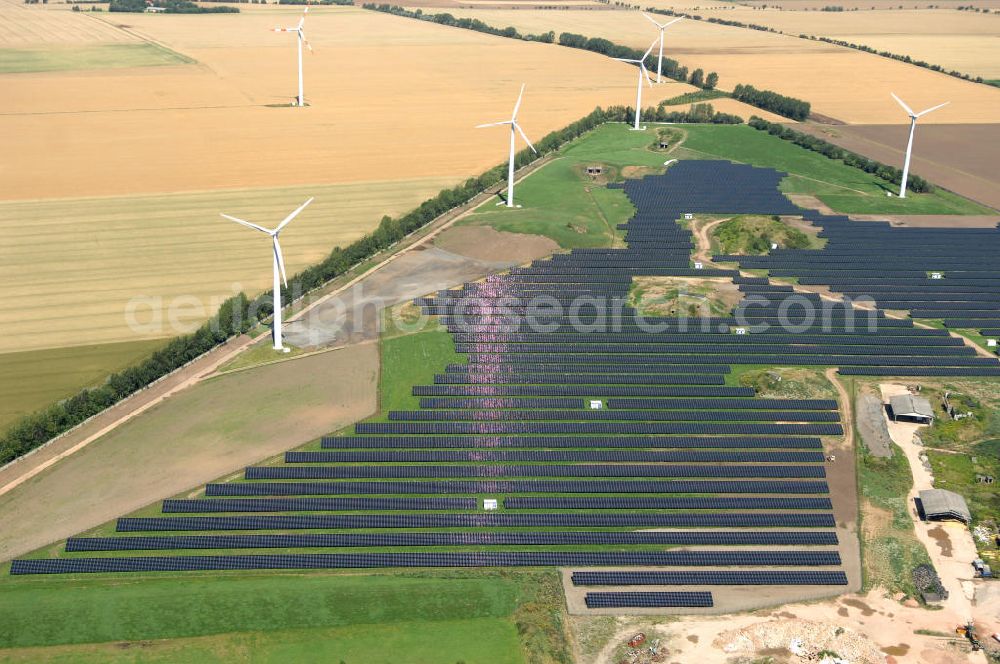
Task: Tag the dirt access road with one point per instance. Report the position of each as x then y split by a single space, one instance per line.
949 545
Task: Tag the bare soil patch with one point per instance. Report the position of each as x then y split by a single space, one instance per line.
941 538
684 296
861 628
872 426
959 157
485 243
214 428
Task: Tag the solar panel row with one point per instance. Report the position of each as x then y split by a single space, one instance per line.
485 538
648 600
515 486
712 578
374 560
485 520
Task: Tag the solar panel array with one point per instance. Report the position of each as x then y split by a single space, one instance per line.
942 274
673 446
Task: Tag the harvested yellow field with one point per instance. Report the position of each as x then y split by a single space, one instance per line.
965 41
21 26
872 4
841 83
390 98
92 159
104 270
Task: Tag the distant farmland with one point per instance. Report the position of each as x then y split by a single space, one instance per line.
841 83
966 41
115 176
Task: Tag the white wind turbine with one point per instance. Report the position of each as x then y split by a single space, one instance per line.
279 266
514 126
909 143
642 74
662 27
301 34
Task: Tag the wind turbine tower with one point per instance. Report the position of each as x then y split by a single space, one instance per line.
662 27
642 74
514 127
300 33
909 143
278 266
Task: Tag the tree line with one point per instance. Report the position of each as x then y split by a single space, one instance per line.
711 19
169 7
697 113
240 314
888 173
836 42
901 58
790 107
671 68
445 18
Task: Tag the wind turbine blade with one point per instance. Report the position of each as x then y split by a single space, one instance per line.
649 50
645 72
247 224
651 20
921 113
517 106
903 104
624 60
293 215
493 124
277 255
521 131
666 25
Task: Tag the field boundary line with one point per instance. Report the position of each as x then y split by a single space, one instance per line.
142 37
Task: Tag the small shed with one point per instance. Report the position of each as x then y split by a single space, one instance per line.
908 408
664 144
595 170
942 505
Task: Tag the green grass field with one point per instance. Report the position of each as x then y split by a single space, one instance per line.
890 546
561 202
475 617
844 189
33 379
91 56
409 360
